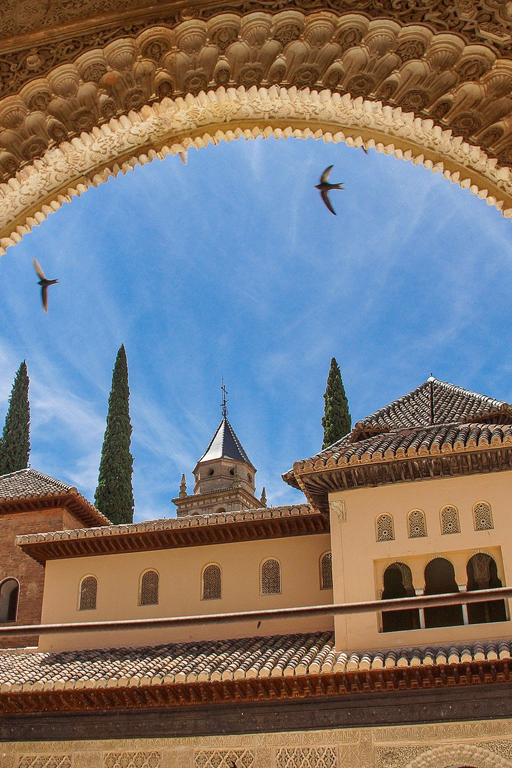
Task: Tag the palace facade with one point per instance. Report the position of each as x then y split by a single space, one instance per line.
151 645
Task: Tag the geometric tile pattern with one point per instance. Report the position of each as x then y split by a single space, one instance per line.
45 761
224 758
307 757
132 759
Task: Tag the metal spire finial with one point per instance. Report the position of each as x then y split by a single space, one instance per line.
224 400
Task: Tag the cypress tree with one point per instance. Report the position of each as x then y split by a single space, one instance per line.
114 494
336 420
15 440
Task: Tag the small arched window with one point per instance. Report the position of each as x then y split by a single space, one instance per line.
149 588
212 583
416 524
450 520
88 594
271 577
482 516
326 571
9 593
385 528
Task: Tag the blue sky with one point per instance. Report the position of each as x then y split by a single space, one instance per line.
231 266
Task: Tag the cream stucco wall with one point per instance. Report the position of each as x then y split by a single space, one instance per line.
359 578
180 572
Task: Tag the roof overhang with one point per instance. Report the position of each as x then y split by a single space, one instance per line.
71 500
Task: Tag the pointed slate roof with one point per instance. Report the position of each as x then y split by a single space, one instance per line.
225 445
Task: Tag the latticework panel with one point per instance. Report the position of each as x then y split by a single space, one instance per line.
271 577
88 594
385 529
132 759
450 520
223 758
44 761
307 757
212 583
417 524
483 516
326 571
149 588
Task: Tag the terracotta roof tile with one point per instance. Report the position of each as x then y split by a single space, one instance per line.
215 660
29 482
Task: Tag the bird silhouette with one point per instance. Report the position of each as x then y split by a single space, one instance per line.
325 188
44 283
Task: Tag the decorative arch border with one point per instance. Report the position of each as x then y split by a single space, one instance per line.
454 755
176 125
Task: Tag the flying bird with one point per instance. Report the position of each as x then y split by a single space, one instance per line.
44 283
325 188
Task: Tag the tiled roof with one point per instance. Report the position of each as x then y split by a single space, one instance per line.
225 444
433 402
29 482
212 661
170 523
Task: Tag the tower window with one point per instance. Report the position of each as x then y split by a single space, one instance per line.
9 593
88 594
149 588
212 583
416 523
450 520
385 530
271 577
482 516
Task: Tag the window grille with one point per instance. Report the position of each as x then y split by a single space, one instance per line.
326 571
417 524
149 588
271 577
385 530
212 583
450 520
88 593
482 516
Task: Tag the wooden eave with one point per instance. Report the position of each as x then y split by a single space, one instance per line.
173 538
318 482
73 502
385 680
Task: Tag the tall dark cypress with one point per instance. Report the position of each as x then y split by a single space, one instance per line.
336 420
114 494
15 440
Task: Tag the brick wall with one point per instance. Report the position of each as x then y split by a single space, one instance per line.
14 562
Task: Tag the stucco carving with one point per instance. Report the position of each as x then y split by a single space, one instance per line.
450 755
174 125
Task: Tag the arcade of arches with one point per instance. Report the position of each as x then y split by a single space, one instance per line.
90 89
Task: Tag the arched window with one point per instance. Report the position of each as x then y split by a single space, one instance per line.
9 593
483 574
88 594
149 588
440 578
416 524
482 516
271 577
212 583
398 583
450 520
385 530
326 571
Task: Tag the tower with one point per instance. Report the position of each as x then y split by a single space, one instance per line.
224 477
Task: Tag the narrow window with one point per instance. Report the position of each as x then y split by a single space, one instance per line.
483 574
397 584
88 593
416 524
212 583
440 578
149 588
9 592
450 520
482 516
271 577
326 571
385 530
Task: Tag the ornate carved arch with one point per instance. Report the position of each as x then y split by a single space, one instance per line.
92 88
453 755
